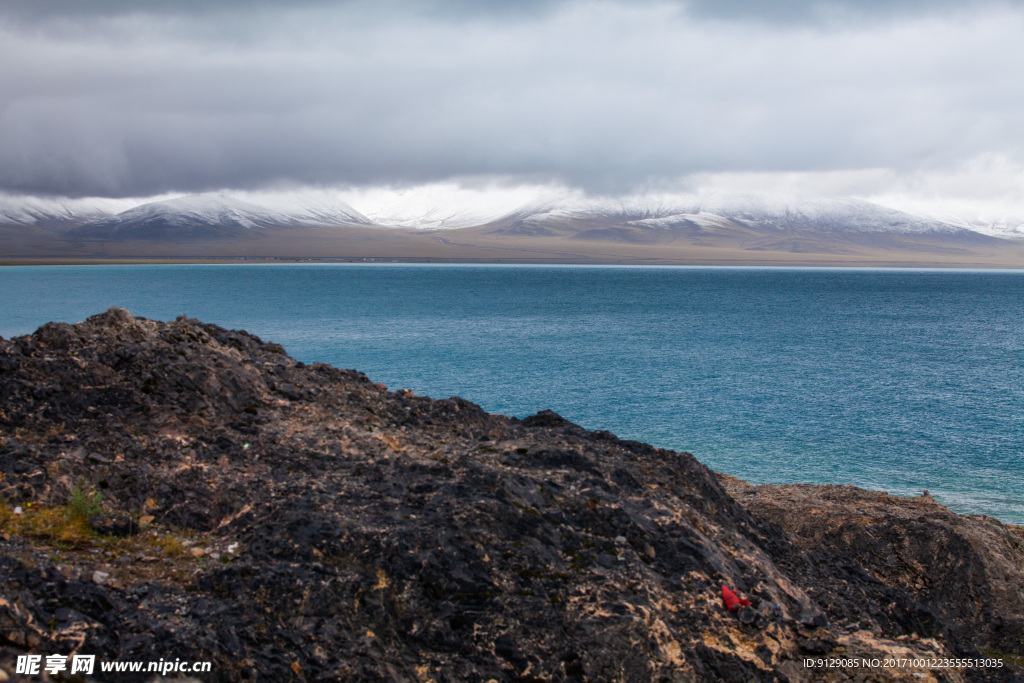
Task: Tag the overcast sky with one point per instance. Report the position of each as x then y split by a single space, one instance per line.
913 98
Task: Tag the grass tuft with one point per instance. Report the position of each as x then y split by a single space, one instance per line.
84 505
171 545
57 524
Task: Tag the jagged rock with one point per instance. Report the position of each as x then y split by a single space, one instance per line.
965 572
348 533
113 524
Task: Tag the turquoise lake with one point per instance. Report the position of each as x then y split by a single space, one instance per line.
895 380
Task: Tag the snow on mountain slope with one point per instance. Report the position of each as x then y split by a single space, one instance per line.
833 215
216 215
243 209
752 211
446 206
577 206
206 208
307 206
46 211
996 219
1007 227
223 209
441 206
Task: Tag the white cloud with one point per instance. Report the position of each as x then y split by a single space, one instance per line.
986 191
603 95
450 204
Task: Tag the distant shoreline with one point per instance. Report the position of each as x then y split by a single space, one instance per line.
740 263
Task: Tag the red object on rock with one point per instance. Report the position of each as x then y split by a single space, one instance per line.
380 386
732 601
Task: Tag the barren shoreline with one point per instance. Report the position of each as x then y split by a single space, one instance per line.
751 263
490 245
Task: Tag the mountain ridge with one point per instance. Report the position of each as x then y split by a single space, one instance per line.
726 229
214 208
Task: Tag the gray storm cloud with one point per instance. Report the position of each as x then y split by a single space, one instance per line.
113 101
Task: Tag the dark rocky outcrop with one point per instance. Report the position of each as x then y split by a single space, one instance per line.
293 522
964 573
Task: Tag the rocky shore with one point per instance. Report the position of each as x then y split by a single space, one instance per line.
181 491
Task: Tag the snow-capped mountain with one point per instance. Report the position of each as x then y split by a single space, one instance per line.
744 221
213 215
749 210
1006 225
446 206
57 212
432 218
175 217
738 220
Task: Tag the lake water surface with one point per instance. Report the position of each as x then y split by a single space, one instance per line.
892 380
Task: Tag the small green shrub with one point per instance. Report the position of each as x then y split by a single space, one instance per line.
84 505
